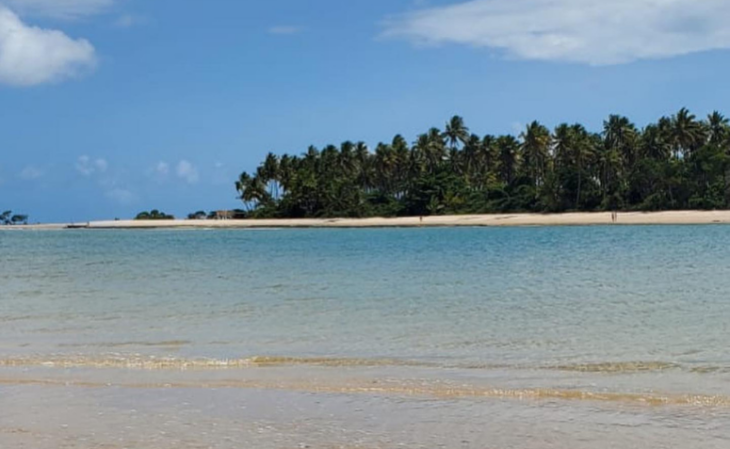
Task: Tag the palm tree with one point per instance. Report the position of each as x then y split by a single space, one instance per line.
535 147
583 152
385 163
488 160
402 158
718 127
346 160
508 148
364 176
574 150
436 147
621 135
654 144
286 172
243 187
431 147
456 132
687 133
269 174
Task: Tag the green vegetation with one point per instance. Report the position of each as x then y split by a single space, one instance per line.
679 162
154 214
199 215
8 218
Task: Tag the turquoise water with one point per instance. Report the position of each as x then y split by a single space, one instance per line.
588 321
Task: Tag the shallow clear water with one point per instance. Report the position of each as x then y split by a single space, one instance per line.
577 331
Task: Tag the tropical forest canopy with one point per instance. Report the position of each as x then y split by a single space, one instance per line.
680 162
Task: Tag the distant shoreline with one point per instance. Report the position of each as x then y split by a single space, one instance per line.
499 220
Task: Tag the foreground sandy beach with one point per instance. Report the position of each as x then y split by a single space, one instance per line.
569 219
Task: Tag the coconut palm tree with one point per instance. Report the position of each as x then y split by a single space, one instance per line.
508 150
534 149
718 128
621 135
687 133
286 172
653 144
456 132
269 174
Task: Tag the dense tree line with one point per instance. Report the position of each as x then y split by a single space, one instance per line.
154 214
680 162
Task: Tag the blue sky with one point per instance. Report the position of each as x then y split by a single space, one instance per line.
110 107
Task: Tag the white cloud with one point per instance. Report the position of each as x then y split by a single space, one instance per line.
159 172
596 32
31 173
129 20
88 166
188 172
162 168
65 9
122 196
30 55
284 29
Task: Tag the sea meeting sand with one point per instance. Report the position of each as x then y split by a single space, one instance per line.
566 219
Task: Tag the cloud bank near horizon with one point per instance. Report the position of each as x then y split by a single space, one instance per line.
594 32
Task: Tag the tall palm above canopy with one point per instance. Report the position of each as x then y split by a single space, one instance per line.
620 135
286 171
269 174
456 132
536 140
718 128
687 133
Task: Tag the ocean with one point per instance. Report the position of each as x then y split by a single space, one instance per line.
544 337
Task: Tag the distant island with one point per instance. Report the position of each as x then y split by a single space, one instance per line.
678 163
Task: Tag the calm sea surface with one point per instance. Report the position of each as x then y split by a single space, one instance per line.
585 337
